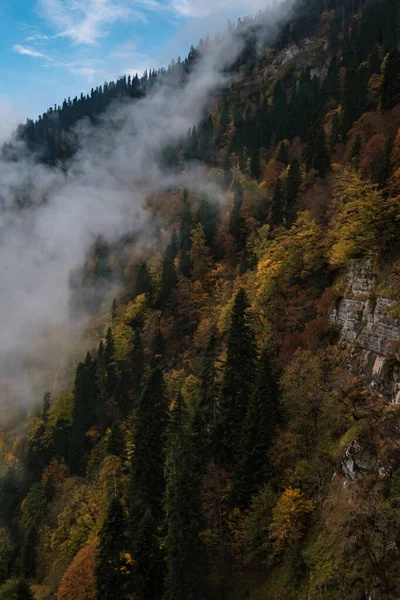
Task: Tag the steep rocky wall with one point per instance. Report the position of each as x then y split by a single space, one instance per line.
366 324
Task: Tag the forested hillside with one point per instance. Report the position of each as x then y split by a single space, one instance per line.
234 431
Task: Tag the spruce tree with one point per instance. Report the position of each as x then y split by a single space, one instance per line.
84 411
168 276
149 437
185 237
28 557
46 405
186 559
259 427
293 183
236 222
148 577
206 415
143 281
277 206
110 582
238 381
208 215
116 442
137 363
356 152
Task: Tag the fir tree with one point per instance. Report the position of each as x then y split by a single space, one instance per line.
137 363
28 557
148 439
84 411
46 405
185 239
143 281
149 565
277 205
390 92
293 183
206 415
168 276
236 222
109 573
356 152
116 442
208 216
186 560
259 428
238 380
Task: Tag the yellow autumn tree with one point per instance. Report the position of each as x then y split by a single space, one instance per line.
288 519
365 222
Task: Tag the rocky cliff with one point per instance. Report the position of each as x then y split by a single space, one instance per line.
366 324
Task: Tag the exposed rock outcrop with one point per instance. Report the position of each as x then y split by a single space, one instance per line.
367 325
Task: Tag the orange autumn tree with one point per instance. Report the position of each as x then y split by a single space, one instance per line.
79 581
288 519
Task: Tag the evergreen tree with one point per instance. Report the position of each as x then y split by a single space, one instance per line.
390 92
186 560
16 590
283 154
321 160
206 414
143 281
277 206
355 152
84 411
28 557
46 405
137 363
259 427
185 239
149 565
168 276
293 183
236 222
148 439
114 309
208 215
238 380
116 442
110 582
382 169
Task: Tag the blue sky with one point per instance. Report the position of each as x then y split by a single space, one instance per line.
52 49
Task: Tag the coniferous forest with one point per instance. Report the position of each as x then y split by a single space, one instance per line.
232 429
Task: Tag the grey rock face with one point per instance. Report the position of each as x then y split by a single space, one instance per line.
366 324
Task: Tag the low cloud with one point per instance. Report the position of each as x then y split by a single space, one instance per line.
101 193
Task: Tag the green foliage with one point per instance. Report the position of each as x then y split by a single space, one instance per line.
238 380
148 439
16 589
259 427
186 560
110 577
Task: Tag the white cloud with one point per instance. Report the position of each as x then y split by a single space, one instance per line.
37 37
205 8
87 21
25 50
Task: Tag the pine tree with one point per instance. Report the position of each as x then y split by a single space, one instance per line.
238 380
236 222
84 411
206 414
148 439
143 281
168 275
46 405
293 183
259 428
277 206
356 152
208 215
149 565
116 442
390 92
185 239
137 363
109 573
28 557
186 559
